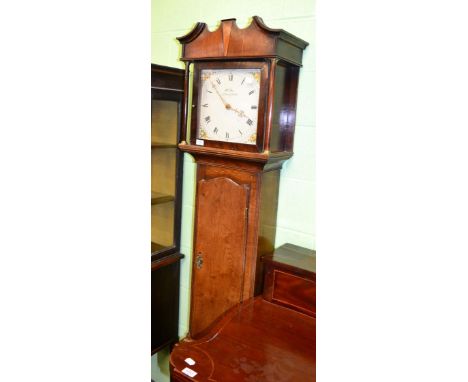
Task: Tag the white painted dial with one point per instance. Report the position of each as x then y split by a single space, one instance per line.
228 105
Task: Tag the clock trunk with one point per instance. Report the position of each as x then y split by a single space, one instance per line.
235 225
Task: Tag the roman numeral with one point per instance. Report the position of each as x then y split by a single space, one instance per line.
207 119
249 122
231 77
243 81
253 107
215 130
240 132
218 81
251 92
205 105
209 91
227 135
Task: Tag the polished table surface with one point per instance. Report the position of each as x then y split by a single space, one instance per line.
256 341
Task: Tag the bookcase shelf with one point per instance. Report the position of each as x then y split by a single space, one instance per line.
155 247
159 198
160 145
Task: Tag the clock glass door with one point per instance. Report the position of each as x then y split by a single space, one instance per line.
228 105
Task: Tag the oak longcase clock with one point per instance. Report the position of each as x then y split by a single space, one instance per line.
239 119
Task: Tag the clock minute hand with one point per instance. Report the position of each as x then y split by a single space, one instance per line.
226 105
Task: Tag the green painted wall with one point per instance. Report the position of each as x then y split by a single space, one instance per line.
296 222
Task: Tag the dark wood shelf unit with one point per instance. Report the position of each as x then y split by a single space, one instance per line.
165 274
167 86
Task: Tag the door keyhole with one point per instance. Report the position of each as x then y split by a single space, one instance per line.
199 261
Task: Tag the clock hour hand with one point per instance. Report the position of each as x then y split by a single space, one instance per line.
240 112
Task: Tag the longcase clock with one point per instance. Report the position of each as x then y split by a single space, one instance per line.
239 123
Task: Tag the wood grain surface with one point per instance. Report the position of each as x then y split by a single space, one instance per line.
219 256
256 341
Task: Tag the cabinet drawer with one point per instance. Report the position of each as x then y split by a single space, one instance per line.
294 292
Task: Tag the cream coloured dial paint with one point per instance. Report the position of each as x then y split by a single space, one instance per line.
228 105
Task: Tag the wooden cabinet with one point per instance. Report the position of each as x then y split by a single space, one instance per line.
166 193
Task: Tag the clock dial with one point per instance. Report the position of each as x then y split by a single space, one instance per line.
228 102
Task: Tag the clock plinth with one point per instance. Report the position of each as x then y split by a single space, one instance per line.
243 108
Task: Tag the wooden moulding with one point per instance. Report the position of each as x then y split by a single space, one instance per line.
264 158
230 41
166 260
167 78
157 145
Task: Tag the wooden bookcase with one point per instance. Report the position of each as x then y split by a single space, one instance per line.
167 92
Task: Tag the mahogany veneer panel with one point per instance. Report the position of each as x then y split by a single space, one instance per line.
290 278
293 291
256 341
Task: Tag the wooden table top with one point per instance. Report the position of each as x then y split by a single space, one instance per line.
254 342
